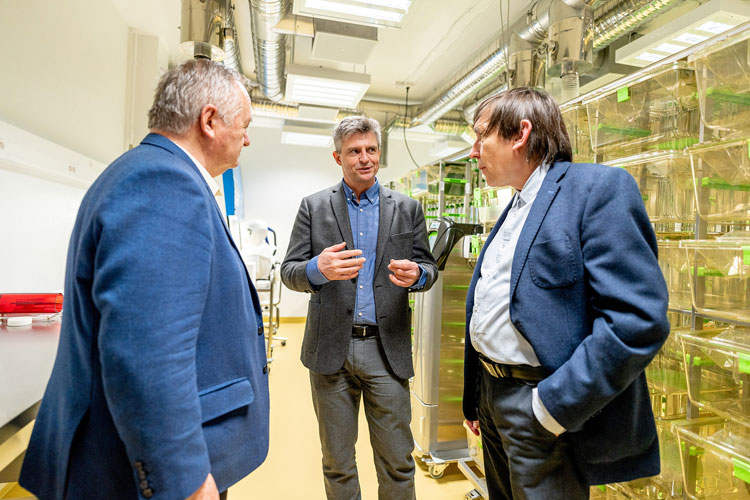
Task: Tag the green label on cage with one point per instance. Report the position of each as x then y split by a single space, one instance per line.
623 94
477 196
746 255
706 271
454 181
714 183
601 487
744 362
475 244
741 469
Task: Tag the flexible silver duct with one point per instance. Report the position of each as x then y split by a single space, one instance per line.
609 25
269 47
231 47
625 17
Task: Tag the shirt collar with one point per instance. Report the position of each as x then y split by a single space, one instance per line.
371 194
204 173
532 185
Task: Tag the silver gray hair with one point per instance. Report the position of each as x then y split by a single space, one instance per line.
353 125
183 91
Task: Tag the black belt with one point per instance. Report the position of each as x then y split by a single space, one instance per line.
521 372
364 331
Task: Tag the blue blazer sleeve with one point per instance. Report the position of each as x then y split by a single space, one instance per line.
153 264
628 300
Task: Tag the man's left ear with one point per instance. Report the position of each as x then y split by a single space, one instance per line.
208 117
523 138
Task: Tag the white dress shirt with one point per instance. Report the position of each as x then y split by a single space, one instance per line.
212 185
492 332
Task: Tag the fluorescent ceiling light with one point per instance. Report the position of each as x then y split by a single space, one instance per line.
695 26
649 57
325 87
307 135
691 38
714 27
669 48
368 12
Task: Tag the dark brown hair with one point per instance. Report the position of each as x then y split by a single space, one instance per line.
548 141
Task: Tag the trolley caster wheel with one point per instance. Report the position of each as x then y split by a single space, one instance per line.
472 495
436 471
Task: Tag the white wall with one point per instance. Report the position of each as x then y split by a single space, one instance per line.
37 219
63 79
275 178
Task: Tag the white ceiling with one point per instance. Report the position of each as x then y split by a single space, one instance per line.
439 41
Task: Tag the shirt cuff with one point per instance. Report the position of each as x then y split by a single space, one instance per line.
421 281
313 273
543 416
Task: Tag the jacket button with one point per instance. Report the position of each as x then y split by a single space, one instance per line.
138 464
141 474
260 330
143 485
148 493
265 369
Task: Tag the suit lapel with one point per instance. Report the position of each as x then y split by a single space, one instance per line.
386 212
538 212
164 143
341 212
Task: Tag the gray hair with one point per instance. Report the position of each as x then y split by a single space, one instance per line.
183 91
353 125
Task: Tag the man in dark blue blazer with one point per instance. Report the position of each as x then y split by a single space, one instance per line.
159 389
566 308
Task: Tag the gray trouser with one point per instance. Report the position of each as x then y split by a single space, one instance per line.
522 459
365 375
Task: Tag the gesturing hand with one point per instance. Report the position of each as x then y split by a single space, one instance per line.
405 272
338 264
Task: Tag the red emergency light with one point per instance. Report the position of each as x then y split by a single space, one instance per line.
27 304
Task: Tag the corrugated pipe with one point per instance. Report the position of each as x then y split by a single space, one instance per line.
269 47
625 17
231 48
264 107
532 26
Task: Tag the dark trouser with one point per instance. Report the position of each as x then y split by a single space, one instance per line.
522 459
223 495
388 410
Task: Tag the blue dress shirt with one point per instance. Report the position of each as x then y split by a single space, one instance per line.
364 219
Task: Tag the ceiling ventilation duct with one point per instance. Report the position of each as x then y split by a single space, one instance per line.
231 47
202 28
525 65
617 20
269 47
569 46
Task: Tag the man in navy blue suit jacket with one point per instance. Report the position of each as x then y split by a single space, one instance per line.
566 308
159 389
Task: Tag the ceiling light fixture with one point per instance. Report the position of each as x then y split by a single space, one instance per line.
297 134
389 13
325 87
700 24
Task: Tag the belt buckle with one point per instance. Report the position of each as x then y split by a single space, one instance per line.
491 368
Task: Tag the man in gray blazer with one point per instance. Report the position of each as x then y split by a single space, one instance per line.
359 249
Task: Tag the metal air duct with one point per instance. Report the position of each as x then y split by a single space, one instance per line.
532 26
231 47
269 47
624 17
525 66
202 28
